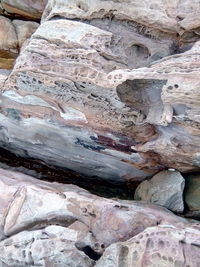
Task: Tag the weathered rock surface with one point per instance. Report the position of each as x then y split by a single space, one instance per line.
108 88
51 246
23 8
192 192
165 189
82 224
156 246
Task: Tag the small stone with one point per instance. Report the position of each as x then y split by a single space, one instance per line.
165 189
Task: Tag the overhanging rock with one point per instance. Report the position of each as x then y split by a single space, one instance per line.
107 96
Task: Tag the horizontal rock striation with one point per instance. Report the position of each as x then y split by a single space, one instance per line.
107 88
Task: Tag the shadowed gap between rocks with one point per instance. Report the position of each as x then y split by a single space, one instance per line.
42 171
90 252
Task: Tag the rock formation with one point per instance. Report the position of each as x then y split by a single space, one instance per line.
165 189
156 246
48 223
108 88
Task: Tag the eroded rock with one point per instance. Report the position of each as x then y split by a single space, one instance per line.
29 206
107 88
156 246
35 248
165 189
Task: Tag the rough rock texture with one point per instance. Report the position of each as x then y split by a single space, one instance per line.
82 224
51 246
23 8
165 189
108 88
192 192
12 36
163 246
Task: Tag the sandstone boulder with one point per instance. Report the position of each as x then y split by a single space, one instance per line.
156 246
165 189
51 246
107 88
80 222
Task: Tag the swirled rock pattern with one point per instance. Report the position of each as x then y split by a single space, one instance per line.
108 88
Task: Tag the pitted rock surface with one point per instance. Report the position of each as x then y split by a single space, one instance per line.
116 82
47 223
156 246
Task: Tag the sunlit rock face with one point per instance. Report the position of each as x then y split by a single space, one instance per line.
108 89
51 224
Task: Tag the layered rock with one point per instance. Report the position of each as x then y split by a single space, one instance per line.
165 189
115 95
54 223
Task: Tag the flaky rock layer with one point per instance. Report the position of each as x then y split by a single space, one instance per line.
108 88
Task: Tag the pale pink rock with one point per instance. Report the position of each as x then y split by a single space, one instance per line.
108 89
164 245
80 221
